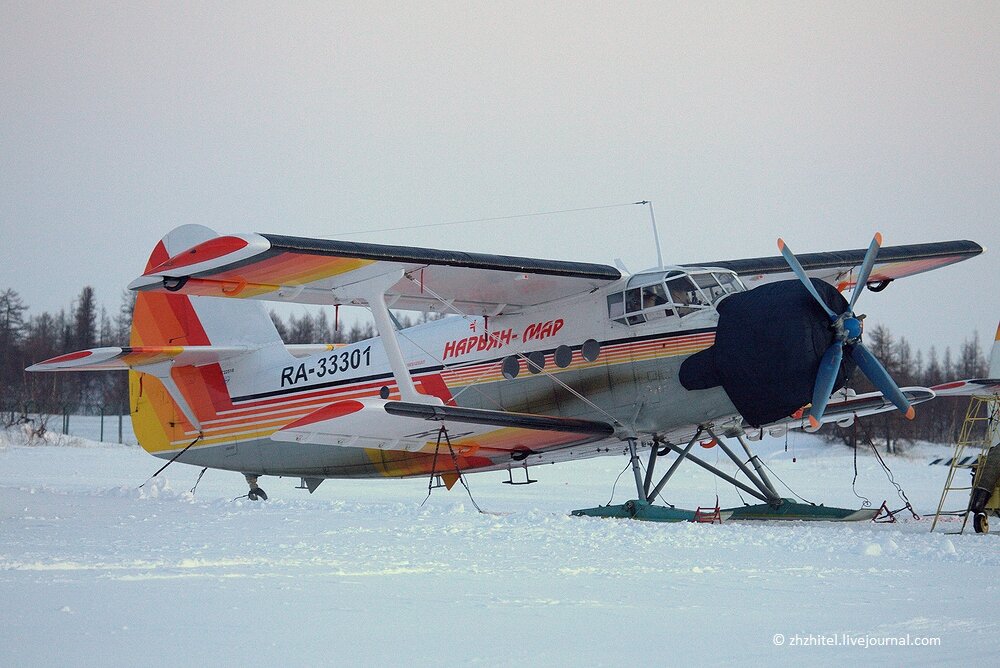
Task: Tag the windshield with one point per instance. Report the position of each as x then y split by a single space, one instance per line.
675 294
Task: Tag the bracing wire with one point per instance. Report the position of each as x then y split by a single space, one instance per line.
172 460
800 498
558 381
660 495
615 484
479 220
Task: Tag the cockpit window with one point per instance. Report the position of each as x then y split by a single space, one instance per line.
633 304
676 294
709 286
729 282
685 295
654 296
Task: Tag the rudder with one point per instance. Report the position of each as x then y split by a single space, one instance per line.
166 319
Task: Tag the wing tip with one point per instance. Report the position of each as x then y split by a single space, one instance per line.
144 283
84 360
910 413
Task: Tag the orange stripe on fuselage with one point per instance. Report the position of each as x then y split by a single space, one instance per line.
222 419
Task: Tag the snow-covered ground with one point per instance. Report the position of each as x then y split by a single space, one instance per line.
97 572
90 427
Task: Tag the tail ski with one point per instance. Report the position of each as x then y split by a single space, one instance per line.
995 356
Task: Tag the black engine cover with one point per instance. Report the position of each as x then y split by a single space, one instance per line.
767 349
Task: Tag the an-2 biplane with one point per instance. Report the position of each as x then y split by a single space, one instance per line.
547 361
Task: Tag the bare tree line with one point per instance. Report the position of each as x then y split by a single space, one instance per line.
26 339
938 420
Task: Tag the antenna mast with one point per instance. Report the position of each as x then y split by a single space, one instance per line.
656 235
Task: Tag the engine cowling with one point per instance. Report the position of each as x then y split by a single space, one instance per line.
767 351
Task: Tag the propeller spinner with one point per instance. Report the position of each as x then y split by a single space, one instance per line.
847 328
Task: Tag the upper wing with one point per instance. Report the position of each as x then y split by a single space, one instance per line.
320 271
839 268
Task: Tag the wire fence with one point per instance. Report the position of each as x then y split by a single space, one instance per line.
97 422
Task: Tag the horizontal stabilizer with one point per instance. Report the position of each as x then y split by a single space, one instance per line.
396 425
300 350
968 388
115 358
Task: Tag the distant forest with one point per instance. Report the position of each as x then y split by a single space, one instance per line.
26 339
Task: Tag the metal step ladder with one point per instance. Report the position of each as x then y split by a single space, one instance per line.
974 440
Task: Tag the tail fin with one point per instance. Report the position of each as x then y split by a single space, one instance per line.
168 406
179 345
995 356
179 320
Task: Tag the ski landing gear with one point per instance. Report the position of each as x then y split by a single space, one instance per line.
255 493
774 507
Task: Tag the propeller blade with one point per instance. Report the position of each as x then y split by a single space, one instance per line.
866 268
786 253
876 373
826 378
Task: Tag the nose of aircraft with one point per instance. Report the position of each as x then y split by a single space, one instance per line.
768 347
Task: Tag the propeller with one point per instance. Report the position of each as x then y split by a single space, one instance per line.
847 329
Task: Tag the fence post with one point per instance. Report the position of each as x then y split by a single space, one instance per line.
120 416
65 420
102 423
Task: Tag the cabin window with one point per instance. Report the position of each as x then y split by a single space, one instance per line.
616 307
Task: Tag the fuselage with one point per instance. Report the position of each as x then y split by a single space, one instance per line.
610 355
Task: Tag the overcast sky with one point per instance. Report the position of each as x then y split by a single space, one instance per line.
742 122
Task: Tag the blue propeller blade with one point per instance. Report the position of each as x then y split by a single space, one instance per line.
826 377
866 268
786 253
879 377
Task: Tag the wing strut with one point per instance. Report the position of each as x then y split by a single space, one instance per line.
375 297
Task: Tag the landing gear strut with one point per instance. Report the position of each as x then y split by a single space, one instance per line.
255 493
773 506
